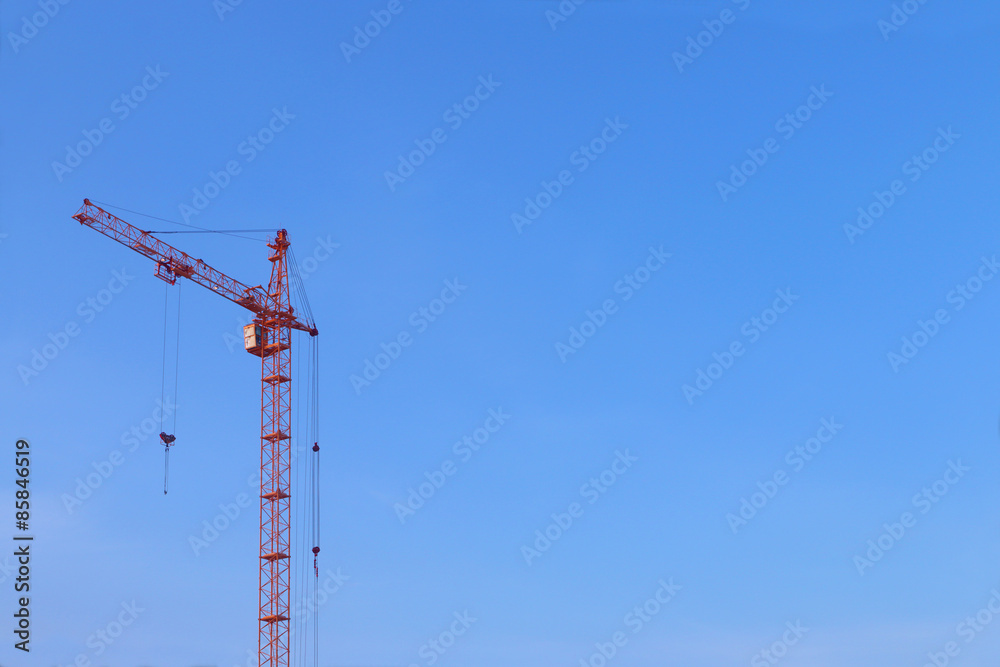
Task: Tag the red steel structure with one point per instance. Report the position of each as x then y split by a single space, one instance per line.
270 338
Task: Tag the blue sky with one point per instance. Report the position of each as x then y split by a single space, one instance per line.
633 141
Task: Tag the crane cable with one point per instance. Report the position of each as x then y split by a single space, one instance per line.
307 635
177 358
227 232
315 494
300 511
163 381
163 371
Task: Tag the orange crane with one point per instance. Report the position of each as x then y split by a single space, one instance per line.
269 337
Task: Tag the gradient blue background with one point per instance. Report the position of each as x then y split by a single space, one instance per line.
323 177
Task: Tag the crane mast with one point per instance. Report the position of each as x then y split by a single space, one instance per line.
270 338
274 347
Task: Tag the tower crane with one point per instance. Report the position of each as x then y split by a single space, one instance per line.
269 337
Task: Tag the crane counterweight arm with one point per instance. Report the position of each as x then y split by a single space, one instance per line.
171 262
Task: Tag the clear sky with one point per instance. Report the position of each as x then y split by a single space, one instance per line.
643 197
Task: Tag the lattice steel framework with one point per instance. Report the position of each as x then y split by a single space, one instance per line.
275 317
275 462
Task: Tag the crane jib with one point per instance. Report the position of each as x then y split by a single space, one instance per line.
171 263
